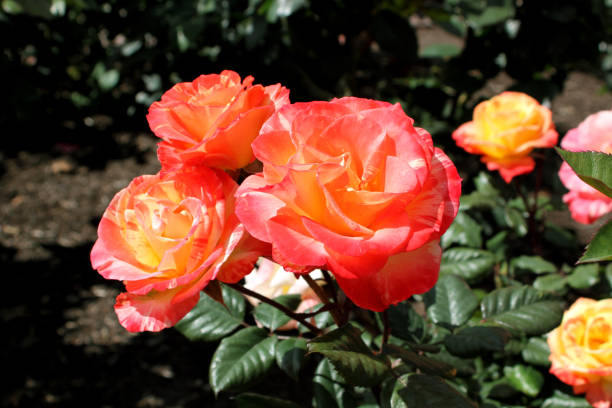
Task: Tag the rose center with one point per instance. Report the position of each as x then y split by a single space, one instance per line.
598 333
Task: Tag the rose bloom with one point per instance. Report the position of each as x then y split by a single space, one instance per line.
351 186
212 120
595 133
271 280
504 130
166 236
581 350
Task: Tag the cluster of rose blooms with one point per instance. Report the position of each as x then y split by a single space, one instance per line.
349 186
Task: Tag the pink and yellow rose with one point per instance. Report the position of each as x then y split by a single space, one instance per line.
352 186
212 120
504 130
581 350
595 133
166 237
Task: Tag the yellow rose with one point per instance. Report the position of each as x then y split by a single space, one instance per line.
581 350
504 130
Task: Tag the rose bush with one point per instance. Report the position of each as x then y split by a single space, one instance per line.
581 350
593 134
166 237
352 186
504 130
271 280
212 120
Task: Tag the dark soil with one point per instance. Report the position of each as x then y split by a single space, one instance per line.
62 345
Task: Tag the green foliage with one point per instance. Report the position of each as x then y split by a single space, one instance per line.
562 400
419 390
534 264
210 320
475 340
406 323
241 359
290 355
273 318
350 356
525 379
450 302
423 363
592 167
467 263
584 276
536 352
521 309
463 231
600 247
252 400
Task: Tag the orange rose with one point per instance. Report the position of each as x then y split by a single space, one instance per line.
352 186
212 120
581 350
505 129
166 236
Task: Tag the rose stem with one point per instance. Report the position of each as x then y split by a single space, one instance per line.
330 282
296 316
387 329
534 210
324 298
531 221
328 279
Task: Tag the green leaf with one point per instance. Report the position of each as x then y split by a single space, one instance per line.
464 366
290 356
421 390
494 12
241 358
484 184
322 320
440 51
424 363
478 199
550 283
131 47
498 244
467 263
350 356
525 379
253 400
592 167
536 352
473 341
600 247
559 236
584 276
273 318
562 400
608 274
108 79
463 231
275 9
522 309
210 320
450 302
514 219
405 322
329 388
535 264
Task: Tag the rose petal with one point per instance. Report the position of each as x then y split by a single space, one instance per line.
403 275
